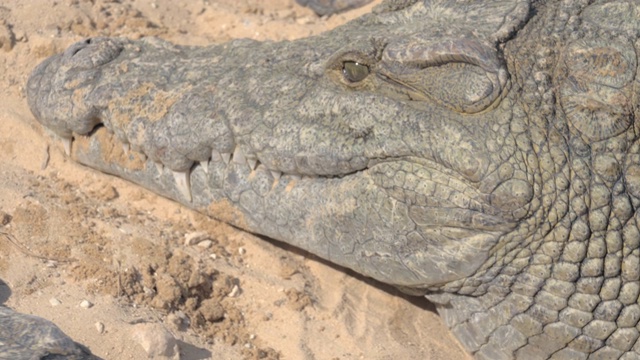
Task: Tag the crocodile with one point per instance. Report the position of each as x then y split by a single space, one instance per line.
482 154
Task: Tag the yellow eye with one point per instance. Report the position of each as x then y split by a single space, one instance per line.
354 71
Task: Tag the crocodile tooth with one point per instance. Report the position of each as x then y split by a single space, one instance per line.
238 156
126 147
252 162
66 144
205 166
276 174
159 167
215 156
183 183
226 157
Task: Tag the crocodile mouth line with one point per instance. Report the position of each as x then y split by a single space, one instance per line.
451 196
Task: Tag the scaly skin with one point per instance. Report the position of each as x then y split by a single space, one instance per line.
329 7
484 154
28 337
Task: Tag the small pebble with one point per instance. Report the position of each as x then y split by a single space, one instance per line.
4 218
54 302
305 20
156 341
100 327
235 291
195 238
205 244
213 256
241 251
85 304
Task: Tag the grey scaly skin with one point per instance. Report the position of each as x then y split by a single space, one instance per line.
28 337
484 154
329 7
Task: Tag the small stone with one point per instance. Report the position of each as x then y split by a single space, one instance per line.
156 341
54 302
242 251
205 244
235 291
100 327
195 238
20 36
85 304
305 20
4 218
213 256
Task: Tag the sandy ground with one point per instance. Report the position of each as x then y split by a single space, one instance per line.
70 234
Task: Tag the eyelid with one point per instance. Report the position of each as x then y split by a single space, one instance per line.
468 50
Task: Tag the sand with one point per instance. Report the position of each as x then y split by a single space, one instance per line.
69 234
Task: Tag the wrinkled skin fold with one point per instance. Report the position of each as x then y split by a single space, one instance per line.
484 154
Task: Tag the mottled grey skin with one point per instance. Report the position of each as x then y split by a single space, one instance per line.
484 154
329 7
28 337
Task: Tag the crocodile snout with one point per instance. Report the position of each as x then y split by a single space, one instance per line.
92 52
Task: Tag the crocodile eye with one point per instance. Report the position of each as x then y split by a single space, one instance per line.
354 71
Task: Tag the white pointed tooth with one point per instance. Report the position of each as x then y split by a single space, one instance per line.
159 167
215 156
66 144
276 174
205 166
126 147
252 163
226 157
238 156
183 183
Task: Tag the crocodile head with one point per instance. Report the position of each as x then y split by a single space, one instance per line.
475 151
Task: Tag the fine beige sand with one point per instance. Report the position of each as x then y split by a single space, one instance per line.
70 234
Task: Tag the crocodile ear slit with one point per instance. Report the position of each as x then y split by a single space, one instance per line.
466 74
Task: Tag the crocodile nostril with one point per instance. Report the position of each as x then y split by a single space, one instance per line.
75 48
